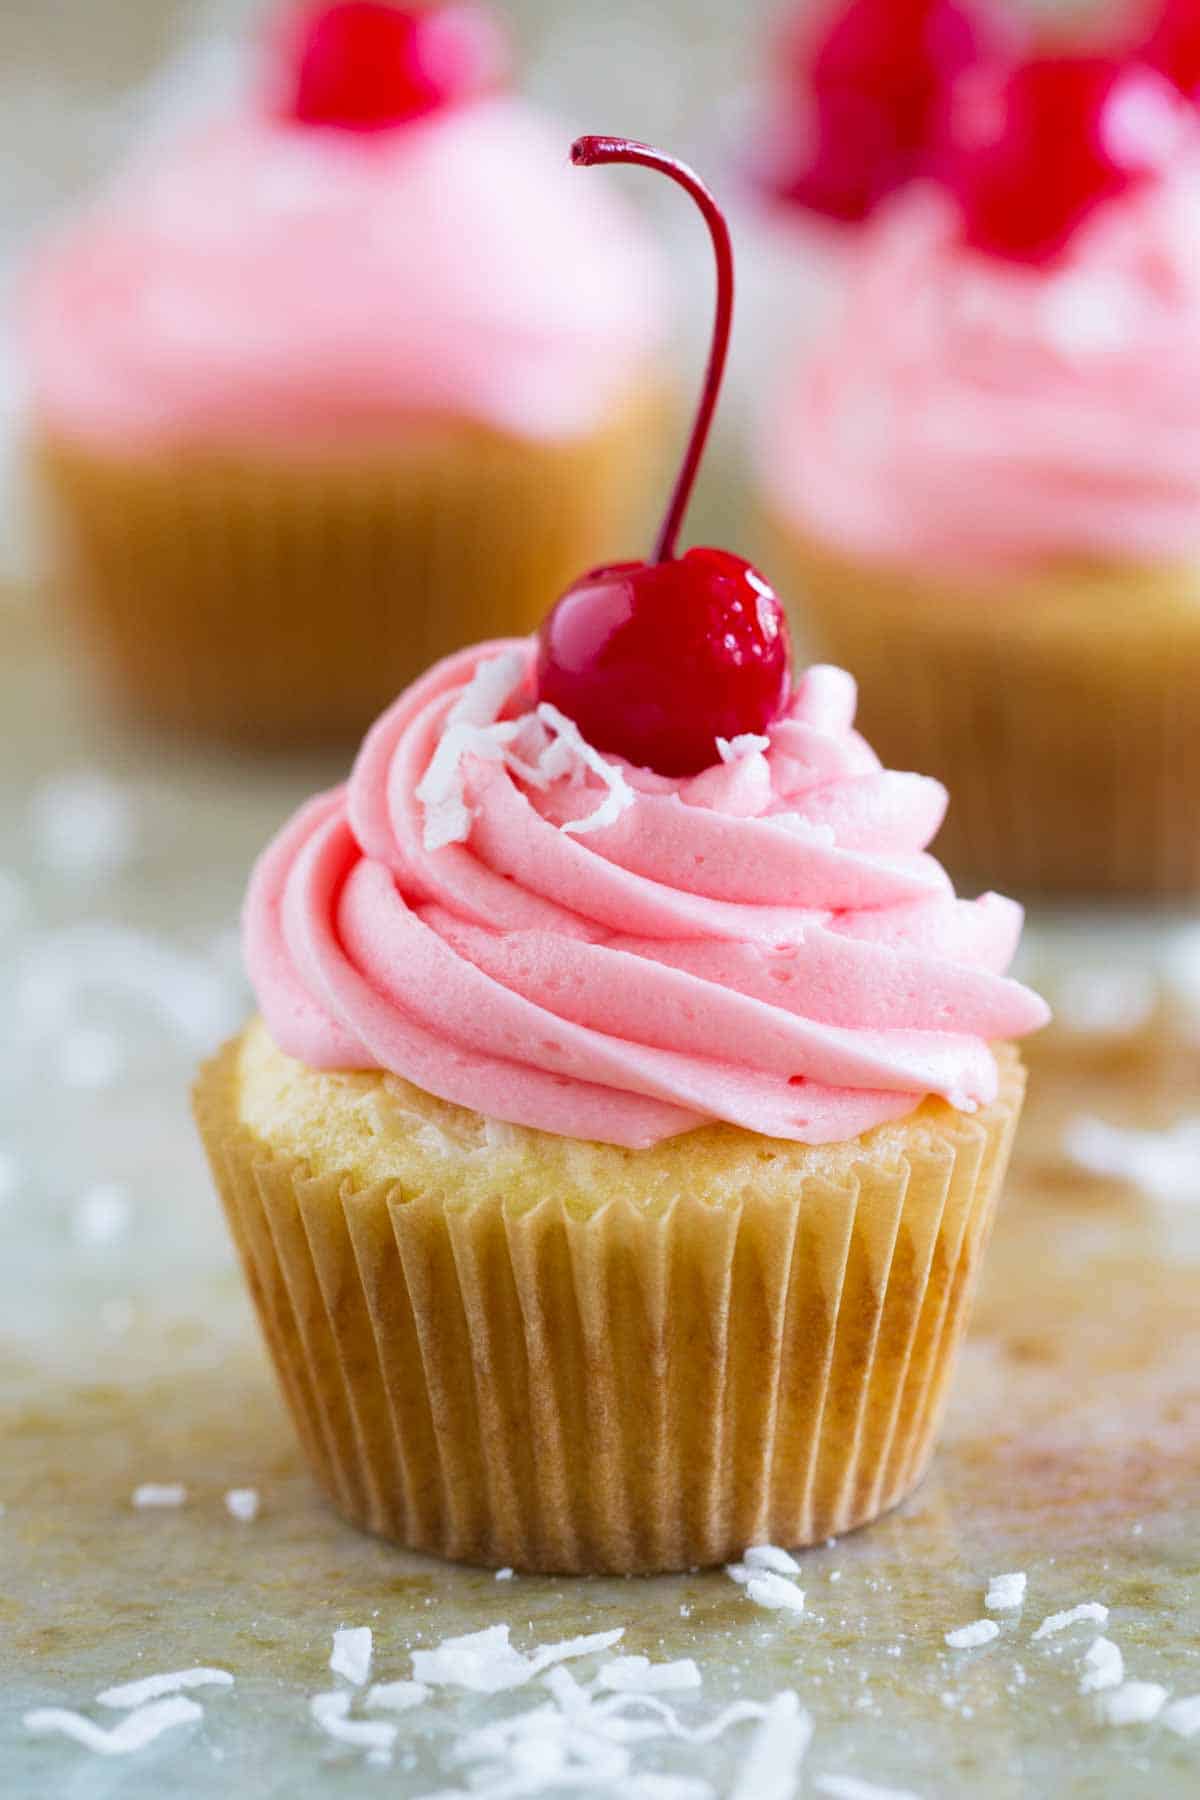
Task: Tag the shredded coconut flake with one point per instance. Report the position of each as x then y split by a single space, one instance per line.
396 1696
569 743
153 1687
243 1504
505 1574
1004 1592
852 1787
102 1216
1091 1612
747 743
331 1712
1103 1667
776 1593
484 1662
1133 1703
1183 1716
135 1731
772 1766
771 1558
470 728
1161 1164
969 1637
351 1654
638 1675
159 1494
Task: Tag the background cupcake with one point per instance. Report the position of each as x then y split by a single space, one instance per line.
846 113
302 377
986 487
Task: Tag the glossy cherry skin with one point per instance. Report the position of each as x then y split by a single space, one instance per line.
1174 44
1032 151
364 65
655 661
861 104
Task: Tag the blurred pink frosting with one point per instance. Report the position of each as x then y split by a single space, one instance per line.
513 923
970 410
265 281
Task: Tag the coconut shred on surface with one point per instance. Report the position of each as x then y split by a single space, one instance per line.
583 1714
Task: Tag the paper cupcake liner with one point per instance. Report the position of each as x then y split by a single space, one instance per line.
291 599
1060 711
634 1390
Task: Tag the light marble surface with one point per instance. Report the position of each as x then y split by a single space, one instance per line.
1073 1450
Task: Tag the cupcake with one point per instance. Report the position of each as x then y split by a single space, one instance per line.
846 116
985 490
302 378
614 1152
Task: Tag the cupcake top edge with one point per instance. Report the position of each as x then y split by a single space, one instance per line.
975 413
555 938
257 281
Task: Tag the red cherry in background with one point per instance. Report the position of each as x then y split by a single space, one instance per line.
1174 44
653 661
855 107
1032 151
364 65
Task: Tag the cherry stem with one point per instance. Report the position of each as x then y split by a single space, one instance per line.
585 153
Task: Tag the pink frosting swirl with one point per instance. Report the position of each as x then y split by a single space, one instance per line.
511 922
975 411
262 281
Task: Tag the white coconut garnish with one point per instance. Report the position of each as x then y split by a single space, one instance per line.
1090 1612
1103 1667
775 1593
242 1504
1133 1703
152 1494
351 1654
638 1675
396 1696
470 728
852 1787
571 747
153 1687
331 1712
747 743
484 1662
135 1731
969 1637
1004 1592
1183 1716
772 1764
770 1556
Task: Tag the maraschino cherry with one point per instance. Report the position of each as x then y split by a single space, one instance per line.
655 660
1033 150
1174 45
364 65
857 109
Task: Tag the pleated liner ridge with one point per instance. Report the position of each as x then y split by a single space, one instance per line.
1059 709
278 598
634 1390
